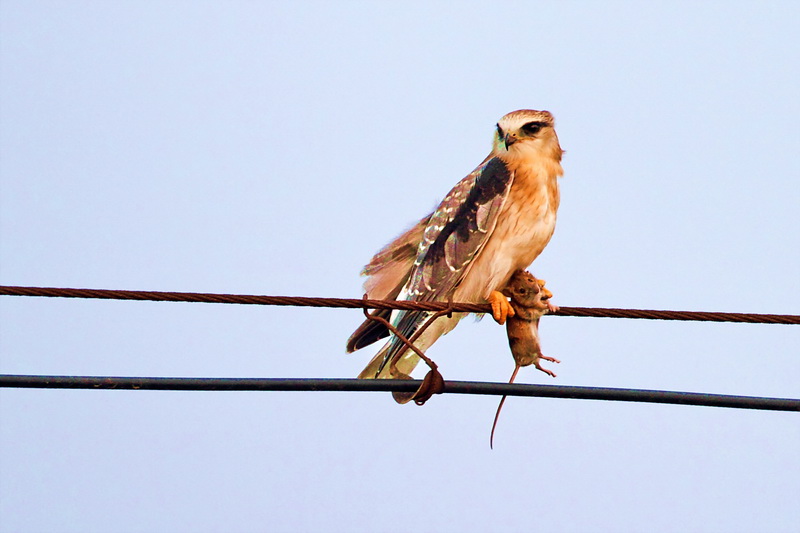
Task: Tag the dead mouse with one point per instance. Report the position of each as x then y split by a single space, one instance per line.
530 300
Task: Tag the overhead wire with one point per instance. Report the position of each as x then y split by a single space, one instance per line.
392 385
355 303
397 385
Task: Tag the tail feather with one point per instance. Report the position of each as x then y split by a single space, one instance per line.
409 359
368 332
407 363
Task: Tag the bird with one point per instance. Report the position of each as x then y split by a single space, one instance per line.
492 223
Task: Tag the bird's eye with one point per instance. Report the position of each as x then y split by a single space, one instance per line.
521 291
532 128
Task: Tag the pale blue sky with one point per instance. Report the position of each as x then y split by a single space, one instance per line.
271 148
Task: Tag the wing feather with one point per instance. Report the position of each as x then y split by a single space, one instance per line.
455 234
387 272
457 231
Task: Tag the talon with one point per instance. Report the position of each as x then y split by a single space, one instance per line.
501 308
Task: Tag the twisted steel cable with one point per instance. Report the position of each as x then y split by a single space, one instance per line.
355 303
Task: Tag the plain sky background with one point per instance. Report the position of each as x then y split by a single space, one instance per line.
272 148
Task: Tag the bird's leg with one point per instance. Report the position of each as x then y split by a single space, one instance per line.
501 308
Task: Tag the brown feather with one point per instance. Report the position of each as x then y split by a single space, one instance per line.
388 272
516 232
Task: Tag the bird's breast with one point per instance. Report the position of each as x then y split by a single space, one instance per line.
528 218
524 227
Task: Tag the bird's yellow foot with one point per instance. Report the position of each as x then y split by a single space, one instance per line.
546 295
501 308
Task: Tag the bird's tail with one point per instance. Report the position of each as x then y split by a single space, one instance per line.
378 367
408 361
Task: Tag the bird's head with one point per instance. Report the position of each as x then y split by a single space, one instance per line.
526 133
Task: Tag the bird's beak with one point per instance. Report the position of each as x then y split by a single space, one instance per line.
509 140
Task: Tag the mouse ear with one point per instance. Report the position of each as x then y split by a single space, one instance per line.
517 277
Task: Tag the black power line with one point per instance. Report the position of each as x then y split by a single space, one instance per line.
389 385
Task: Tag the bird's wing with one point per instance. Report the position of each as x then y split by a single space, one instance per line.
387 272
457 231
389 269
455 234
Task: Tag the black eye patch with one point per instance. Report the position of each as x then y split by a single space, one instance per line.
532 128
499 131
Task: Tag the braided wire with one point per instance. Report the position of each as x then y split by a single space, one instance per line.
357 303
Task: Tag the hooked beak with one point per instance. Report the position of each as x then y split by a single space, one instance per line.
509 140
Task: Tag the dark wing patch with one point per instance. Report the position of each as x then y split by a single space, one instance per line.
456 232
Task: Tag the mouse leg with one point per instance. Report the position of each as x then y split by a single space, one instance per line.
546 371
